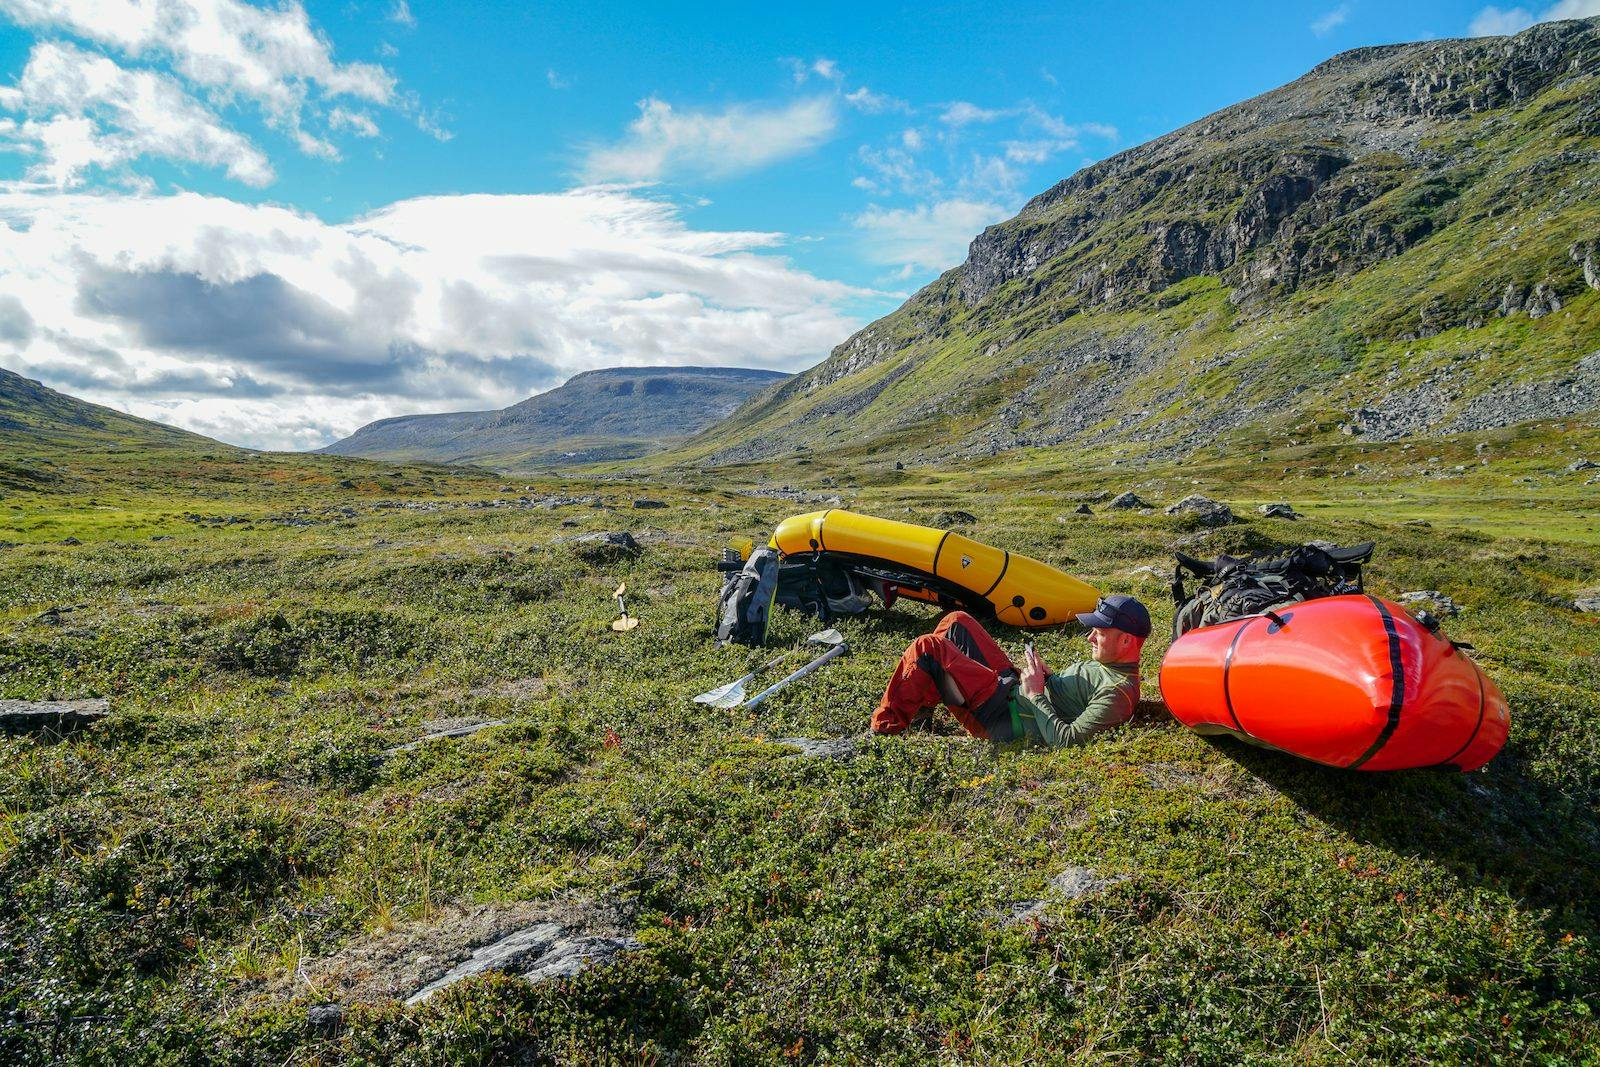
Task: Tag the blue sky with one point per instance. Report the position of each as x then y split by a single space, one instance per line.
272 223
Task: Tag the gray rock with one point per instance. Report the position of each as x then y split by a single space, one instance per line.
324 1020
1279 511
1441 604
50 716
70 541
539 952
946 519
1589 604
821 748
1126 502
465 730
1208 511
1582 465
645 504
606 547
1082 509
1070 884
578 954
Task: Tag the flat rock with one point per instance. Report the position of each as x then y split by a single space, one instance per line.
1208 511
1441 604
820 747
1590 604
1127 502
1071 884
644 505
52 716
1582 465
1278 511
540 952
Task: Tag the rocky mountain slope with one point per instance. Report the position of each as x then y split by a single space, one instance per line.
605 414
1404 241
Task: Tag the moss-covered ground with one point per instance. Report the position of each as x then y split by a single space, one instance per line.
172 875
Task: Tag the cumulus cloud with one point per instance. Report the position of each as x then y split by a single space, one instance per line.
284 331
85 112
928 237
1494 21
234 52
666 141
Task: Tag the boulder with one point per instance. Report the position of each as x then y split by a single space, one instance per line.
1208 511
946 519
1127 502
1082 509
1582 465
1587 604
644 504
1279 511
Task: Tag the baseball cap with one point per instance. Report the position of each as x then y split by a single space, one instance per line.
1119 612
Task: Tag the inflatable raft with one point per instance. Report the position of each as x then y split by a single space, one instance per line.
1348 681
938 566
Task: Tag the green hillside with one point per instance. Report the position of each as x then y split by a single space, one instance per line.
1403 243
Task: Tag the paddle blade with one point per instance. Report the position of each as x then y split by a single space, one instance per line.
627 622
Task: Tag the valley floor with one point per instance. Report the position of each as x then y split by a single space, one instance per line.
244 840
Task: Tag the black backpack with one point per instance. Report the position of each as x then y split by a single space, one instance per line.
1231 588
812 584
744 607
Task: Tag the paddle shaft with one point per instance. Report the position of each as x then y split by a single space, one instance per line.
832 653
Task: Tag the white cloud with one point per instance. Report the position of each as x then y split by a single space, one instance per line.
555 80
1329 21
928 237
283 331
401 13
963 113
1494 21
85 113
357 122
871 103
664 140
269 56
827 70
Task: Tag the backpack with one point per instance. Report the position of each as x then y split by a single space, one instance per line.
1232 588
744 606
811 584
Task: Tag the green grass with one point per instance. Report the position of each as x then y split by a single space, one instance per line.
172 876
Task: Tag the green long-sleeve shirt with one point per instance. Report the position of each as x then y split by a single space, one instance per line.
1078 702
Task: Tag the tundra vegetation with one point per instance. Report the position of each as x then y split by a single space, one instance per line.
184 880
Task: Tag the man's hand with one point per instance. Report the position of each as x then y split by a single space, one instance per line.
1034 672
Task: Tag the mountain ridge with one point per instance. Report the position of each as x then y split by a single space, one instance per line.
1325 256
610 413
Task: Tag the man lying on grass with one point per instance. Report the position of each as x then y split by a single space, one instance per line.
960 665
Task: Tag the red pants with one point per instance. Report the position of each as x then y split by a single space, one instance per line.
958 650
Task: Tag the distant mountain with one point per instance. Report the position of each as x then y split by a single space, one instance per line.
1403 242
604 414
32 414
